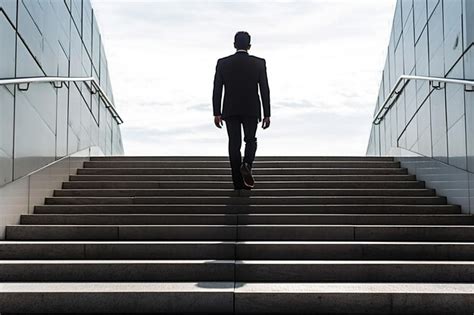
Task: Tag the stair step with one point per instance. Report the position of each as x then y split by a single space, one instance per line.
245 271
95 250
247 209
117 297
233 193
248 200
377 250
354 271
139 250
354 298
170 235
116 270
225 219
129 219
113 232
242 232
258 171
257 164
244 298
226 158
356 233
229 185
258 178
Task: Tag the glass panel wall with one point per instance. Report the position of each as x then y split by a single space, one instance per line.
44 124
436 123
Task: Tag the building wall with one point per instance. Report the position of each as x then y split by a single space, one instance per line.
21 196
44 124
430 38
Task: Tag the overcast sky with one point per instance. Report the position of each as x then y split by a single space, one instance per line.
324 60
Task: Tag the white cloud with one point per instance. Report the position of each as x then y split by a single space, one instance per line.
324 60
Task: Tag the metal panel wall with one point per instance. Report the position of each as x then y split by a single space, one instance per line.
431 38
43 124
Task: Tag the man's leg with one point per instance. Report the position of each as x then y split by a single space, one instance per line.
250 130
234 130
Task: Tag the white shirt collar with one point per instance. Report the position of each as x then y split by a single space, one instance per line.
241 50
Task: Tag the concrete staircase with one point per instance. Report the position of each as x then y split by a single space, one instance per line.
169 235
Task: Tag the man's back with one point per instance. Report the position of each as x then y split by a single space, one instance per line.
241 74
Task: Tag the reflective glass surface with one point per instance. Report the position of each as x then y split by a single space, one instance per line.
43 123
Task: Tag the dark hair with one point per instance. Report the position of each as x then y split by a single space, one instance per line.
242 40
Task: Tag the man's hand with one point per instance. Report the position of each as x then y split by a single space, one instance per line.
266 123
218 122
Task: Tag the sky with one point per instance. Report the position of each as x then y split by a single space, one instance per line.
324 61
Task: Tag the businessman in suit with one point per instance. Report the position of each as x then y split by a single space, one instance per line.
242 75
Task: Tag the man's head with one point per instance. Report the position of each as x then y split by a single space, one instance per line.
242 41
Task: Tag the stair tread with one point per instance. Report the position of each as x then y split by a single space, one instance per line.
9 242
244 225
353 262
403 243
248 197
248 206
256 169
117 262
401 288
257 189
254 215
269 177
257 161
204 207
241 219
242 262
223 164
230 182
208 176
85 287
175 157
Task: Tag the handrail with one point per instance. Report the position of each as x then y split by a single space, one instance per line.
95 88
435 82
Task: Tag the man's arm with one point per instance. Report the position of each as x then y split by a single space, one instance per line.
265 91
217 94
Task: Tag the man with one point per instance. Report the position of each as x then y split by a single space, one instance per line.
242 75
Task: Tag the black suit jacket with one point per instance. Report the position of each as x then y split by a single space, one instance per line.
241 74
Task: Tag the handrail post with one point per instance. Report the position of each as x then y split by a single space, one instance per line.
24 87
58 86
436 85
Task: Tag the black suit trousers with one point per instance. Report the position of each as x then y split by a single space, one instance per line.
234 126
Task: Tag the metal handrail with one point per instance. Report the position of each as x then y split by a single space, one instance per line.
435 82
58 82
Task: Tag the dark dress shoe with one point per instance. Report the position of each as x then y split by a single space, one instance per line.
247 176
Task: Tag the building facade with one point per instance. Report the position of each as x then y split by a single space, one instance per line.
44 124
431 127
